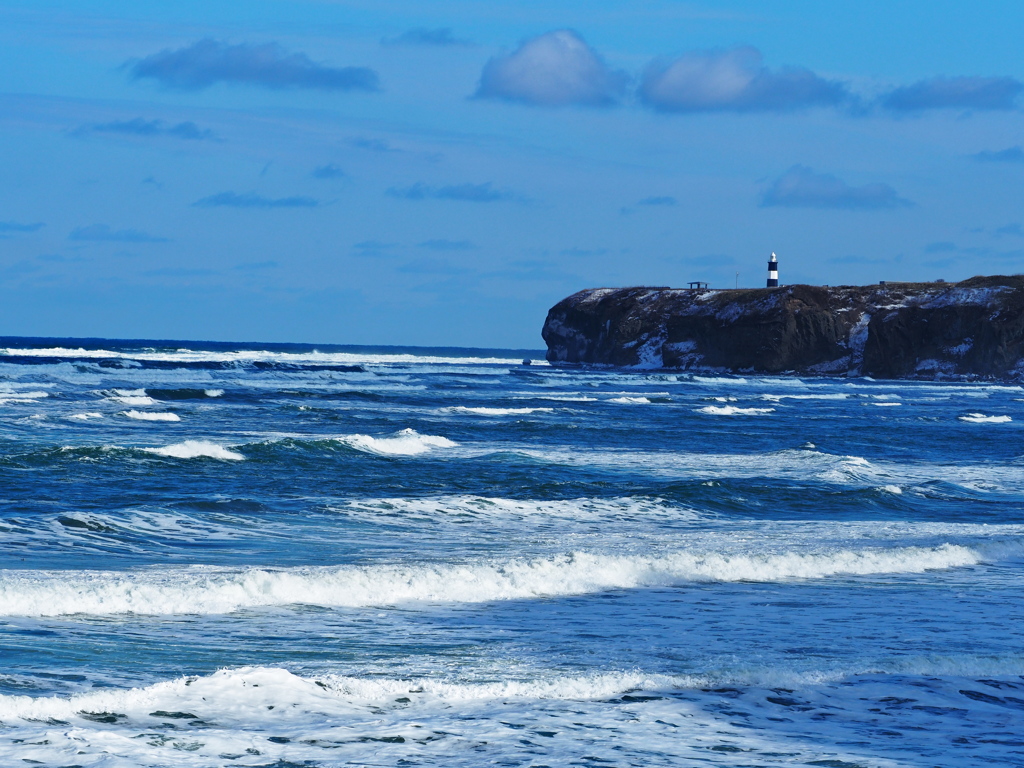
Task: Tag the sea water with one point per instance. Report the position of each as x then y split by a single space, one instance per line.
259 555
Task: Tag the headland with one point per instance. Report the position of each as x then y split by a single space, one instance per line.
970 329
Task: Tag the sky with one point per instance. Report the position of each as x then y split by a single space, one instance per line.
443 172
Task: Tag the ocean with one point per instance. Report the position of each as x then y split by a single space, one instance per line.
280 555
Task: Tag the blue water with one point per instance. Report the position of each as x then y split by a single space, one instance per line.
270 555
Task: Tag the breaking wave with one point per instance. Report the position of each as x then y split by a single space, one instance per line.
407 442
732 410
981 418
214 591
194 449
152 415
484 411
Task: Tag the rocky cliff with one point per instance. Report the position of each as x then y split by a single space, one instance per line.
974 328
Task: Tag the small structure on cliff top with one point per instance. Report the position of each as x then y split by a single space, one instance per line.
773 271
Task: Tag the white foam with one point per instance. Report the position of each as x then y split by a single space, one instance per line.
778 398
981 418
217 590
732 410
631 400
86 416
407 442
484 411
18 398
887 404
152 416
213 392
193 449
134 397
243 356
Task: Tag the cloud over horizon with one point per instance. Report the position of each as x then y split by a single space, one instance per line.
986 93
103 233
441 37
555 69
252 200
1008 155
734 80
329 171
474 193
141 127
801 187
209 61
14 226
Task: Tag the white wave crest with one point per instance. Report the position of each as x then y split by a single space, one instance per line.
152 416
408 442
193 449
484 411
732 410
214 591
631 400
779 398
86 416
134 397
213 392
981 418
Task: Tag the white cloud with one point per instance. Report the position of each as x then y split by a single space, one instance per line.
553 70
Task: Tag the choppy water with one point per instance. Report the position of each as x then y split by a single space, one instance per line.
229 555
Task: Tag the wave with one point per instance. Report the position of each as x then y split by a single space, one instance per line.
407 442
215 591
194 449
350 361
255 694
981 418
484 411
131 397
86 416
183 393
152 416
732 410
626 400
778 398
20 397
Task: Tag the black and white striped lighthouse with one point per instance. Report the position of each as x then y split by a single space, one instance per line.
773 272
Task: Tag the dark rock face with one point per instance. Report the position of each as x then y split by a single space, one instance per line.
902 330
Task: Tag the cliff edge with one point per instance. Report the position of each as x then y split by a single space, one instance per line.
974 328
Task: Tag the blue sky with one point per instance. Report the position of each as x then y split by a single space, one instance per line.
443 172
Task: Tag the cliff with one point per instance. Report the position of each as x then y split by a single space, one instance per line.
974 328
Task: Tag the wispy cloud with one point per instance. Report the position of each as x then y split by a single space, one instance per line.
103 233
329 171
801 187
148 128
985 93
208 61
448 245
734 81
474 193
661 200
374 248
440 37
1014 230
373 145
432 266
583 252
553 70
252 200
1008 155
14 226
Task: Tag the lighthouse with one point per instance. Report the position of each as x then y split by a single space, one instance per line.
773 272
